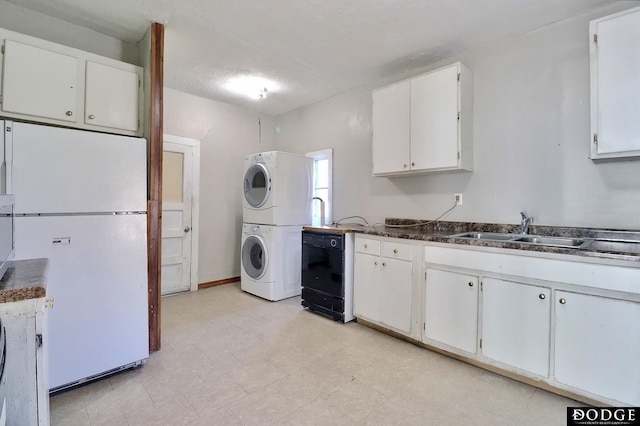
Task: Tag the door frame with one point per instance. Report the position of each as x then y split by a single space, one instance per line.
194 144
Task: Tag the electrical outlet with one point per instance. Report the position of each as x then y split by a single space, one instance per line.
458 199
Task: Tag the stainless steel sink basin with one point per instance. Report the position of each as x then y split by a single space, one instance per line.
550 241
613 245
618 245
495 236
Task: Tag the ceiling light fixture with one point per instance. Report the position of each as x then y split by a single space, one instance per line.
251 86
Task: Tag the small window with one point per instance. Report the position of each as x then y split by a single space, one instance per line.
322 184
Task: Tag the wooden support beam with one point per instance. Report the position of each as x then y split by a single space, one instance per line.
154 213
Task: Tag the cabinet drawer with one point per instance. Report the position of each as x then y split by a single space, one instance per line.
367 245
397 250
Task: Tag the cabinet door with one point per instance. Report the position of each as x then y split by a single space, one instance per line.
451 309
516 321
111 97
366 286
434 120
391 128
39 82
395 302
42 361
597 345
615 85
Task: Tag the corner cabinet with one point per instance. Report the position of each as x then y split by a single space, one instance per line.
50 83
615 86
384 282
424 124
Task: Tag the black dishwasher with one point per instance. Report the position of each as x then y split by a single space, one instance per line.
327 273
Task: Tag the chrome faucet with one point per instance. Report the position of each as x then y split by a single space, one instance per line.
524 224
321 210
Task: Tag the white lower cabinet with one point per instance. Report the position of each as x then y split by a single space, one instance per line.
597 345
395 300
383 282
367 286
516 324
26 362
451 309
566 321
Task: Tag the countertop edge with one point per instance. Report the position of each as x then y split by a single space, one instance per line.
444 236
24 279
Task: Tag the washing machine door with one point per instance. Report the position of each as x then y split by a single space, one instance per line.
257 185
254 257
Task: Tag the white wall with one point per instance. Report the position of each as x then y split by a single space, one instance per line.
25 21
227 135
531 143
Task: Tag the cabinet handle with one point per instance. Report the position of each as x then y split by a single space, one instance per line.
413 164
69 113
405 165
366 246
375 263
395 251
470 283
542 296
384 263
563 301
91 116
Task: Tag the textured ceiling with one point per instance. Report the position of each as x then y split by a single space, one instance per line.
311 49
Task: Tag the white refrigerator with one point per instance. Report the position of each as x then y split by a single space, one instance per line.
81 202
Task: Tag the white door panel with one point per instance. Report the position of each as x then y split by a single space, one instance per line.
111 98
98 280
177 196
39 82
451 309
68 171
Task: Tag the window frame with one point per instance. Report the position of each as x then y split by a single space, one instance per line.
324 154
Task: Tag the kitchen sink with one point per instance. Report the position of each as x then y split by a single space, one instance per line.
495 236
550 241
618 245
615 245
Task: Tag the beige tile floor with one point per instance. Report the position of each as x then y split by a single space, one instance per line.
229 358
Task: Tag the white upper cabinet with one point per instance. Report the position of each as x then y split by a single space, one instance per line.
111 97
391 129
39 82
424 124
55 84
615 86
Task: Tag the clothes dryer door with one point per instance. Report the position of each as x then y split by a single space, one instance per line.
254 257
257 185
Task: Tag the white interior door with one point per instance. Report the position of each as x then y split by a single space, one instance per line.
179 217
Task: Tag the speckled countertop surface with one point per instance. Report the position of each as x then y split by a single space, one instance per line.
339 229
24 279
441 232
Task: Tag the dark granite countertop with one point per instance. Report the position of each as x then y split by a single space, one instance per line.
339 229
441 232
24 279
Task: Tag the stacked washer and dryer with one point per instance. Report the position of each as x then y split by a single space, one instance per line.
277 203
